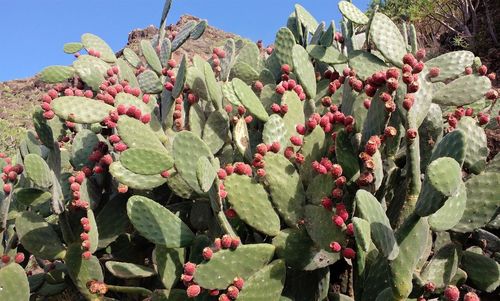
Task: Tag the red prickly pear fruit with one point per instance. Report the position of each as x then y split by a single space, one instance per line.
120 147
285 68
390 132
471 296
492 76
261 172
12 176
238 282
452 121
45 106
217 244
221 174
385 97
146 118
327 203
88 94
413 87
451 293
107 159
296 140
468 70
367 103
429 287
301 129
230 213
121 109
115 69
233 292
86 227
484 119
269 50
193 290
48 114
357 86
326 101
86 244
5 259
434 72
491 94
122 188
86 255
224 297
172 63
407 103
284 108
19 258
411 133
242 110
165 174
336 170
84 221
276 108
214 293
168 86
343 214
207 253
189 268
392 84
340 181
75 187
407 69
482 70
370 90
291 84
370 148
280 89
69 92
275 147
350 229
338 221
392 73
349 253
261 149
229 169
226 241
52 93
228 108
378 78
409 59
18 168
420 54
114 138
46 98
258 86
235 242
289 152
84 236
332 88
335 247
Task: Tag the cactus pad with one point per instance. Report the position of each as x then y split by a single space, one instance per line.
305 18
462 91
451 64
149 82
72 47
38 171
133 180
228 264
362 233
80 109
477 148
83 144
365 64
304 70
168 263
126 73
483 272
442 267
451 212
150 55
205 173
265 284
216 130
327 55
321 229
82 271
146 161
131 57
275 130
352 13
248 98
158 224
127 270
386 36
91 70
134 133
250 200
453 145
14 284
56 74
94 42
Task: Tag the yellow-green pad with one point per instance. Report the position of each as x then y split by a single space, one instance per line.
158 224
126 73
229 94
346 156
72 47
351 12
250 200
304 70
91 41
216 130
134 133
477 147
14 283
131 57
180 78
91 70
275 131
205 173
463 91
130 100
266 284
388 39
295 114
37 170
327 55
149 82
451 64
285 187
213 86
453 145
84 143
306 18
362 233
146 161
313 150
38 237
452 211
242 139
80 109
150 55
227 264
134 180
56 74
248 98
284 43
126 270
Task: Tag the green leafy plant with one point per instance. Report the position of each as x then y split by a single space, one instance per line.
258 173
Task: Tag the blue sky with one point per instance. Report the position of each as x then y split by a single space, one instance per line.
33 31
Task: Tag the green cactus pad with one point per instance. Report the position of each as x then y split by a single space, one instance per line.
165 52
477 147
205 174
453 145
216 130
179 186
43 128
213 87
134 134
483 272
180 78
304 70
229 94
451 64
112 220
285 187
365 64
242 139
327 55
168 264
183 34
37 170
126 73
245 72
442 267
228 264
134 180
131 57
275 130
319 187
91 70
362 232
38 237
265 284
57 74
248 98
94 42
80 109
463 91
32 196
375 118
313 150
127 270
149 82
414 229
442 180
250 200
186 156
306 18
158 224
150 55
346 156
83 145
227 62
452 211
320 227
72 47
195 79
14 284
146 161
198 30
295 114
284 43
382 235
82 271
388 39
351 12
197 119
130 100
483 199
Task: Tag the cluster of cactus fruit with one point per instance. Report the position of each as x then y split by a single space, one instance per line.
259 173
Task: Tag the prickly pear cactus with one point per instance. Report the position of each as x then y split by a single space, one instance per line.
333 159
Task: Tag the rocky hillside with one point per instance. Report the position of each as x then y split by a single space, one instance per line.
18 97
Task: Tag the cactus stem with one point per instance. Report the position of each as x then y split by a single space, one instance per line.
130 290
